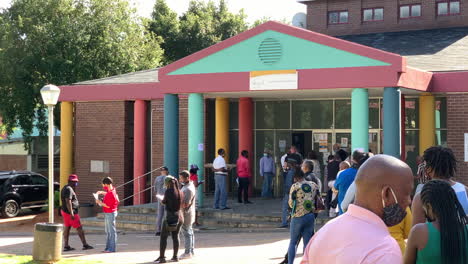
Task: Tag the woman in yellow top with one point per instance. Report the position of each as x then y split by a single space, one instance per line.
401 231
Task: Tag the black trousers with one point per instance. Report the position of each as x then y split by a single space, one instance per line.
175 239
243 186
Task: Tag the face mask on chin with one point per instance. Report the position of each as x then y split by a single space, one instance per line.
393 214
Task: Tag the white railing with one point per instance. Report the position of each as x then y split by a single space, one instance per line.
137 179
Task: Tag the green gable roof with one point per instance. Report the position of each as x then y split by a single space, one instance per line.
273 50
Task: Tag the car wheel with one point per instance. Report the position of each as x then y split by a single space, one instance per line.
10 209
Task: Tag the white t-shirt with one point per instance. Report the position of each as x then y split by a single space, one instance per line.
219 163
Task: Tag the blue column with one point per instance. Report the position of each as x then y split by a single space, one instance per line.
171 133
392 121
196 125
360 119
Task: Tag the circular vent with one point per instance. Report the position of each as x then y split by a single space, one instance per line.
270 51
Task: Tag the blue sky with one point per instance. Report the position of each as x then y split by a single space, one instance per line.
255 9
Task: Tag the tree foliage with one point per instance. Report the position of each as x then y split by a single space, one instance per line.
202 25
63 42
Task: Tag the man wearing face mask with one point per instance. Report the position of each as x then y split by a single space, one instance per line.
361 236
69 211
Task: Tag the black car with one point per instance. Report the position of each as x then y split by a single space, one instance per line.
22 190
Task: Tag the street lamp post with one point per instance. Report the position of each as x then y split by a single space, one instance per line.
50 94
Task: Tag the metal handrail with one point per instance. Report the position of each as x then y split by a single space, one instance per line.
138 182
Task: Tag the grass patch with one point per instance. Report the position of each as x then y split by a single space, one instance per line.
18 259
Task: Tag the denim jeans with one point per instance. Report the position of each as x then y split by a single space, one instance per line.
266 188
285 211
220 191
111 231
159 216
189 238
300 227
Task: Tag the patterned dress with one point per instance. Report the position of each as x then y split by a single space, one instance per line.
302 198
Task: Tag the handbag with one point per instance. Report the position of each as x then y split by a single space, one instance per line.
172 220
319 204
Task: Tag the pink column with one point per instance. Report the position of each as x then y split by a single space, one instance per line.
139 151
246 133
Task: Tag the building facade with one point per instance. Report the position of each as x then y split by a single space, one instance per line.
270 87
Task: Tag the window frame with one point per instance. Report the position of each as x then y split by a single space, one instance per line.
410 11
448 8
373 14
339 12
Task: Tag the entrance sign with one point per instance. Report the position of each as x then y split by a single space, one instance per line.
274 80
323 142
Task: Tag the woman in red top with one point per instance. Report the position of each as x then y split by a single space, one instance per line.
109 207
243 172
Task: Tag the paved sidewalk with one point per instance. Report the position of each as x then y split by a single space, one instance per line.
226 248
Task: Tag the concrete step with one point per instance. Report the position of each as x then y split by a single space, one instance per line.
236 216
138 210
237 224
149 218
121 224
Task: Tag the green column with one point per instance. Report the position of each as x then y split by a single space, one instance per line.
360 119
391 121
171 133
196 138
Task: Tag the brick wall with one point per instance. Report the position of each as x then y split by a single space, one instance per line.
317 16
183 133
457 125
13 162
100 134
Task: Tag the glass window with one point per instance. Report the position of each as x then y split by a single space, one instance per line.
404 11
442 9
344 17
412 149
374 113
441 113
416 10
38 180
312 114
263 139
333 18
412 113
455 7
272 115
233 115
441 137
378 14
343 114
367 15
22 180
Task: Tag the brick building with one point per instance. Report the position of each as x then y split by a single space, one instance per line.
393 79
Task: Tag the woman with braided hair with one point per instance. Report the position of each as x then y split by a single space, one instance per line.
438 163
444 238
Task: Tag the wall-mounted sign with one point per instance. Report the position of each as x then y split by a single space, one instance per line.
201 147
323 142
344 142
282 145
274 80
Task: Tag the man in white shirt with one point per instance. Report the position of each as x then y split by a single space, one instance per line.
220 170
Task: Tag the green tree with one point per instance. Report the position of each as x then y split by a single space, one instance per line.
202 25
63 42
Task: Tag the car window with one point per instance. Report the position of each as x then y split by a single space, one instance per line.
38 180
22 180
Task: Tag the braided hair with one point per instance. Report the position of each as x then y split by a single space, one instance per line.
452 220
441 161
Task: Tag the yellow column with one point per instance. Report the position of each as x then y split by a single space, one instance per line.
222 126
426 122
66 142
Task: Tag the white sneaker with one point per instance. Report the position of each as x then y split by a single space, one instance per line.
186 256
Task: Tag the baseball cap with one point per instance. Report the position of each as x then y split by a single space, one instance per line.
164 168
194 167
73 178
168 179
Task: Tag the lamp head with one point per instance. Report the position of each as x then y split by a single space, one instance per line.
50 94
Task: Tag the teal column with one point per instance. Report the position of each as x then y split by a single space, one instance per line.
392 121
196 138
171 133
360 119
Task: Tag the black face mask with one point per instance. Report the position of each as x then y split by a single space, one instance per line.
393 214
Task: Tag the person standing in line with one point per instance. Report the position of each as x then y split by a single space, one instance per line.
309 175
243 172
439 163
194 179
188 209
221 173
173 220
159 190
401 231
444 238
69 211
294 154
314 158
333 167
268 172
109 206
302 200
292 167
361 236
